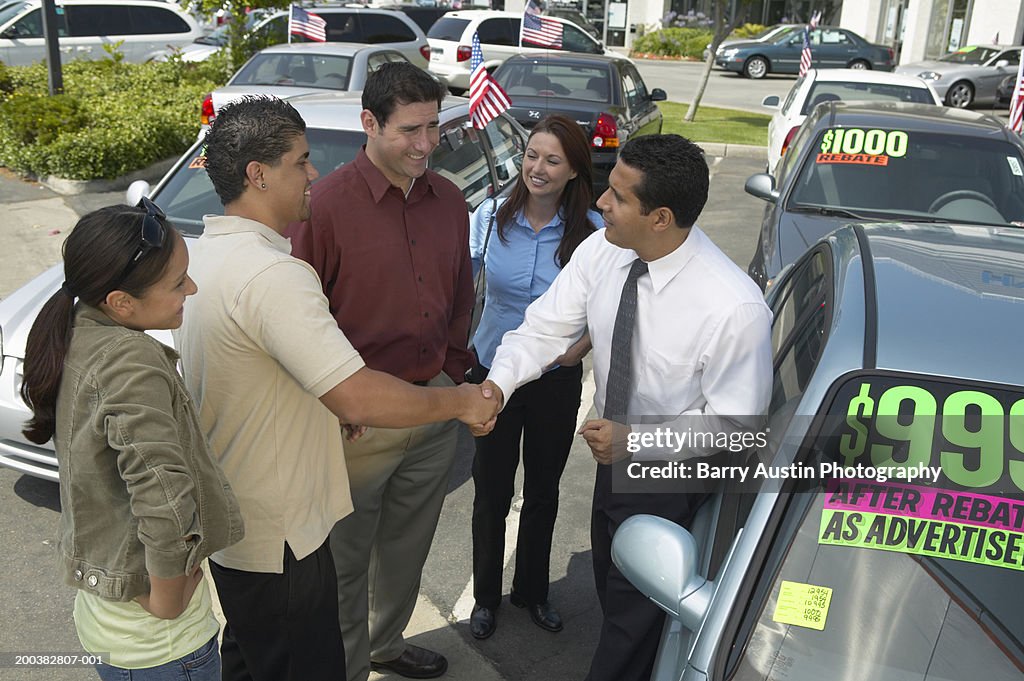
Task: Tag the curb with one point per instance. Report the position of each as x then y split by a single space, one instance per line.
66 187
734 150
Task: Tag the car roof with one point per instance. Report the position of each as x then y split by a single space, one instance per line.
570 58
340 110
866 76
336 49
493 14
905 116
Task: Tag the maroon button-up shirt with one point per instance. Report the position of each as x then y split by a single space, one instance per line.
395 270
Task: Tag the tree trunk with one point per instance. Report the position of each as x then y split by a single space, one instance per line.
691 113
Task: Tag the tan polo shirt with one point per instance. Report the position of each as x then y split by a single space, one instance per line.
259 347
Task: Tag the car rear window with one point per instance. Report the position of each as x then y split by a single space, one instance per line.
448 28
379 28
827 91
878 574
327 71
586 83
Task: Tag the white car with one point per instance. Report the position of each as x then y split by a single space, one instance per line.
848 85
451 41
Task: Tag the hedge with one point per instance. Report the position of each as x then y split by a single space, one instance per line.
686 42
113 118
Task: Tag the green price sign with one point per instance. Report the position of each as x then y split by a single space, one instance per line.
892 143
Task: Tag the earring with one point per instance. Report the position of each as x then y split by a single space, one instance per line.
263 185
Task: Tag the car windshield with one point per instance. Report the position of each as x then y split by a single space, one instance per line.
773 32
587 83
188 194
883 173
219 35
825 91
969 55
10 10
283 68
909 579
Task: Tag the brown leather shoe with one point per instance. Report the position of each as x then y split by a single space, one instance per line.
414 663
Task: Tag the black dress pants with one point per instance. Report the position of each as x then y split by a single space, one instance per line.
631 630
542 414
282 627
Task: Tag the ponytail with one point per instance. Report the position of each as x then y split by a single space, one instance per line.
45 350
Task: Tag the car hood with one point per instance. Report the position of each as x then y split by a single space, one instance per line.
741 44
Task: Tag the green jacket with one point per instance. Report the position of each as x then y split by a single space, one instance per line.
140 493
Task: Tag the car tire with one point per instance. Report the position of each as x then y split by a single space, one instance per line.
960 95
756 68
860 65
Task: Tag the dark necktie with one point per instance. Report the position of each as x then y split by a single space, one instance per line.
620 379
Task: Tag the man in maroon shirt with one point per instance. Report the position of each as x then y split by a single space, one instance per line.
390 241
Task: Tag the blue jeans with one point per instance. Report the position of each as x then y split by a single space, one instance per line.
200 665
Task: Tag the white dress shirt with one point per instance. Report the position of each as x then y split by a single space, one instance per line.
701 349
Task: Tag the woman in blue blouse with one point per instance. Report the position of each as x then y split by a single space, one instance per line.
531 237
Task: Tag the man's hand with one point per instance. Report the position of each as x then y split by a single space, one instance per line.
607 440
490 390
481 404
353 432
575 354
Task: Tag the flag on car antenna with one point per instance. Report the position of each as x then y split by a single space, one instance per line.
486 98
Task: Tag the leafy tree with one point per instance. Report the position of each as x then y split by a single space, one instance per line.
723 23
239 38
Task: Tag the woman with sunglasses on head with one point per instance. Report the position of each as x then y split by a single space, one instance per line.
143 503
523 242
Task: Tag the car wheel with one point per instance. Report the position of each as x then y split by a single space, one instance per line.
860 65
756 68
960 95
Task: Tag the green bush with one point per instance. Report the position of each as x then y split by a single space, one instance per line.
747 31
114 117
674 42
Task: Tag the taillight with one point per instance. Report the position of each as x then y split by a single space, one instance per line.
425 51
892 53
606 132
463 53
789 138
206 113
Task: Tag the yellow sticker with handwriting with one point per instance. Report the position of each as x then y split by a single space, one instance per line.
803 605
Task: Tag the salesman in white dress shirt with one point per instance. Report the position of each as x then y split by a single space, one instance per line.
689 346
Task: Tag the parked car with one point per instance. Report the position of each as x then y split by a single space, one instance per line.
824 85
767 35
344 25
813 577
869 162
451 40
300 68
140 29
968 76
425 16
576 17
479 162
605 95
831 48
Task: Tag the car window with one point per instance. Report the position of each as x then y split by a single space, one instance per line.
153 20
829 36
792 94
448 28
31 25
1011 56
395 56
888 173
10 10
380 28
498 32
824 91
630 92
641 88
316 70
587 83
96 20
792 155
575 40
342 27
460 158
506 149
969 55
876 576
375 61
188 194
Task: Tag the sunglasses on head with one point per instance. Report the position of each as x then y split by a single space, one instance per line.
152 235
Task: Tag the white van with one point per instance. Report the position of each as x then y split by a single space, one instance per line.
146 27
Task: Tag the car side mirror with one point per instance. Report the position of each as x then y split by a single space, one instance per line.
762 186
660 559
1002 63
771 101
658 95
10 33
136 190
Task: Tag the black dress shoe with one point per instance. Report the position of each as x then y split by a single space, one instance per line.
481 622
543 614
414 663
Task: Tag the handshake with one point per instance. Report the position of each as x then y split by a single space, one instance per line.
480 406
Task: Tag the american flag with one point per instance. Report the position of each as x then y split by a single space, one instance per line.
1017 102
486 98
538 30
307 24
805 54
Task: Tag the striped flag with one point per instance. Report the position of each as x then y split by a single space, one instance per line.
538 30
306 24
805 54
486 98
1017 102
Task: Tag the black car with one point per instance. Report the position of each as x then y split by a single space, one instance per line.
605 95
863 162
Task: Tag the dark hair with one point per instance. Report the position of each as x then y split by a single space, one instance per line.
399 82
96 255
577 196
675 175
253 128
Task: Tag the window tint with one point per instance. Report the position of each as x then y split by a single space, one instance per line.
448 28
629 92
10 10
823 91
460 158
31 25
506 149
575 40
792 95
379 28
147 20
342 27
94 20
326 71
1012 56
499 32
588 83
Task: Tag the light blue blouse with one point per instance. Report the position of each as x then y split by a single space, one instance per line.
518 271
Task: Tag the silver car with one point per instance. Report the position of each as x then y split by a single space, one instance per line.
478 162
968 76
895 349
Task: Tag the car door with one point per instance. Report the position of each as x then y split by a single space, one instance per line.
785 54
990 76
460 157
645 116
835 48
23 39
